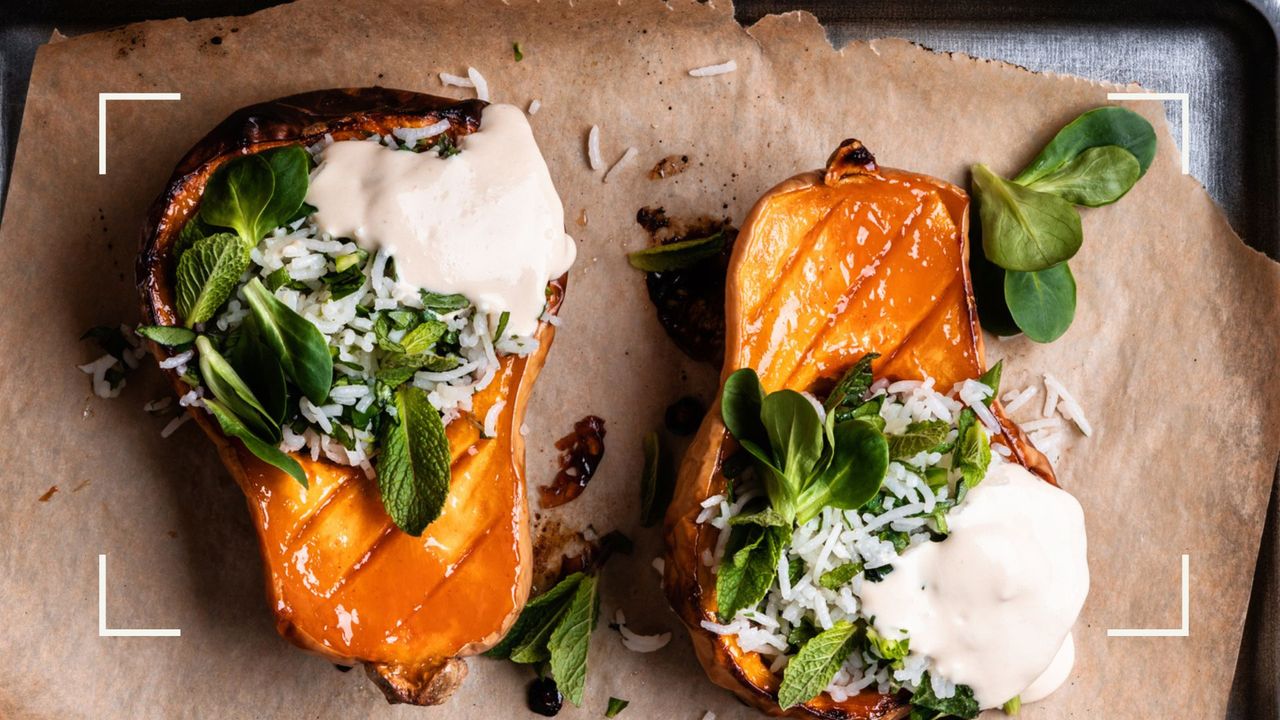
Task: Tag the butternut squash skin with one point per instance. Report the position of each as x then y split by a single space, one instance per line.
342 579
800 310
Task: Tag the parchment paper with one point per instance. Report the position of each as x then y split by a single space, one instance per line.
1172 353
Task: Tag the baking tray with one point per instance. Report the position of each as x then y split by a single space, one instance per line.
1223 55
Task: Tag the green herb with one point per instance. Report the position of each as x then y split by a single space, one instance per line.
502 325
350 260
887 648
839 576
414 462
519 53
255 194
877 574
991 378
254 360
1096 128
167 335
443 304
749 568
299 345
811 669
344 283
677 255
397 369
1098 176
1023 229
919 437
1014 706
616 705
266 452
571 640
1043 303
802 633
961 705
207 275
110 339
764 518
445 147
656 483
857 464
423 337
848 393
229 389
550 604
972 454
192 230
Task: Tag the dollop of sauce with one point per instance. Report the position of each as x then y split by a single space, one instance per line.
485 223
992 605
580 454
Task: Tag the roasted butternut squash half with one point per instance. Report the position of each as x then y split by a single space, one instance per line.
342 579
829 266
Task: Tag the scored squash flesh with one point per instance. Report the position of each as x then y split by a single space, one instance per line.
342 579
827 267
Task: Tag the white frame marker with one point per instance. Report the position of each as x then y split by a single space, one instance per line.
103 630
1185 630
102 117
1185 99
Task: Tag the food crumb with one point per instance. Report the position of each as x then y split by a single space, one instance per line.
668 166
48 493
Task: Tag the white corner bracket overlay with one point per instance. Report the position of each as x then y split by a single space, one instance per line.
1183 98
103 630
102 116
1185 630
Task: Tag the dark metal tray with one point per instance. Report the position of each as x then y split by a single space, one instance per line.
1222 54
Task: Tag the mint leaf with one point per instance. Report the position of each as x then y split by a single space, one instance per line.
991 378
207 275
961 705
918 437
853 386
266 452
414 463
298 345
811 669
839 576
749 568
551 603
397 369
616 705
972 455
443 304
887 648
167 335
677 255
423 337
572 638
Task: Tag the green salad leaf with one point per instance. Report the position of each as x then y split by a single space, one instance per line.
255 194
253 359
1099 127
960 705
656 482
677 255
859 462
207 276
1098 176
229 389
1042 303
413 462
299 345
1023 229
811 669
264 451
167 335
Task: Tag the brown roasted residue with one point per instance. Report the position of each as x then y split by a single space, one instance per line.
48 493
668 166
690 301
580 455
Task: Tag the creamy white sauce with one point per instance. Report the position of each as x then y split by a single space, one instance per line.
485 223
992 605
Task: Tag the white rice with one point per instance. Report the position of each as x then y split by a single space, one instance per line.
455 80
534 106
711 70
593 148
1069 407
491 419
482 87
174 424
1014 401
626 159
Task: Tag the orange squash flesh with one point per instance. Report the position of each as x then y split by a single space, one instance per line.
342 579
830 266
